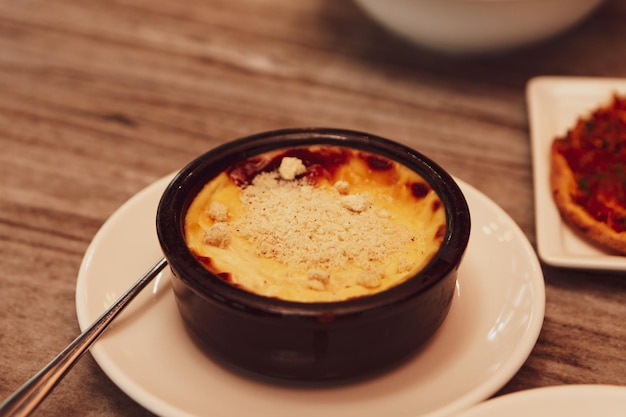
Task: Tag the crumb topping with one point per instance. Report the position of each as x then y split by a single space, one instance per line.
291 167
308 227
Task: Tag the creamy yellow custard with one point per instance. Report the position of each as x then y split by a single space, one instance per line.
316 224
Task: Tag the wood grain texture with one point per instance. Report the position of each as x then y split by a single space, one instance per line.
100 98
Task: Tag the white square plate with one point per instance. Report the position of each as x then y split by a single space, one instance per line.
554 105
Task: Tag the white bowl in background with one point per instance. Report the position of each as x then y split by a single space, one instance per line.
477 26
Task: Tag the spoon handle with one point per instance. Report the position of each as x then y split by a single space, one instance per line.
23 401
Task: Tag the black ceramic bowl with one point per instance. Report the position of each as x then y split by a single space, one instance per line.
310 342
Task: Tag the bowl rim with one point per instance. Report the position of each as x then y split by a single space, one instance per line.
190 179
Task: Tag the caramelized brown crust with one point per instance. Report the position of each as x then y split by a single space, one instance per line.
564 186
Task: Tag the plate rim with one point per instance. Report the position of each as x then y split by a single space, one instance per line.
470 398
579 392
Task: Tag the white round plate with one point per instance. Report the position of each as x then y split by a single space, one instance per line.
492 326
563 400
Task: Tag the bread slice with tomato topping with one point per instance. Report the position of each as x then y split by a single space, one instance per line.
588 176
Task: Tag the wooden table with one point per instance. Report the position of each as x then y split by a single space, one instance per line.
98 99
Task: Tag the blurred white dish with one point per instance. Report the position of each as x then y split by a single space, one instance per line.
477 26
565 400
554 105
493 325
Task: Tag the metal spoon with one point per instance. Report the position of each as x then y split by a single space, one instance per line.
24 401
